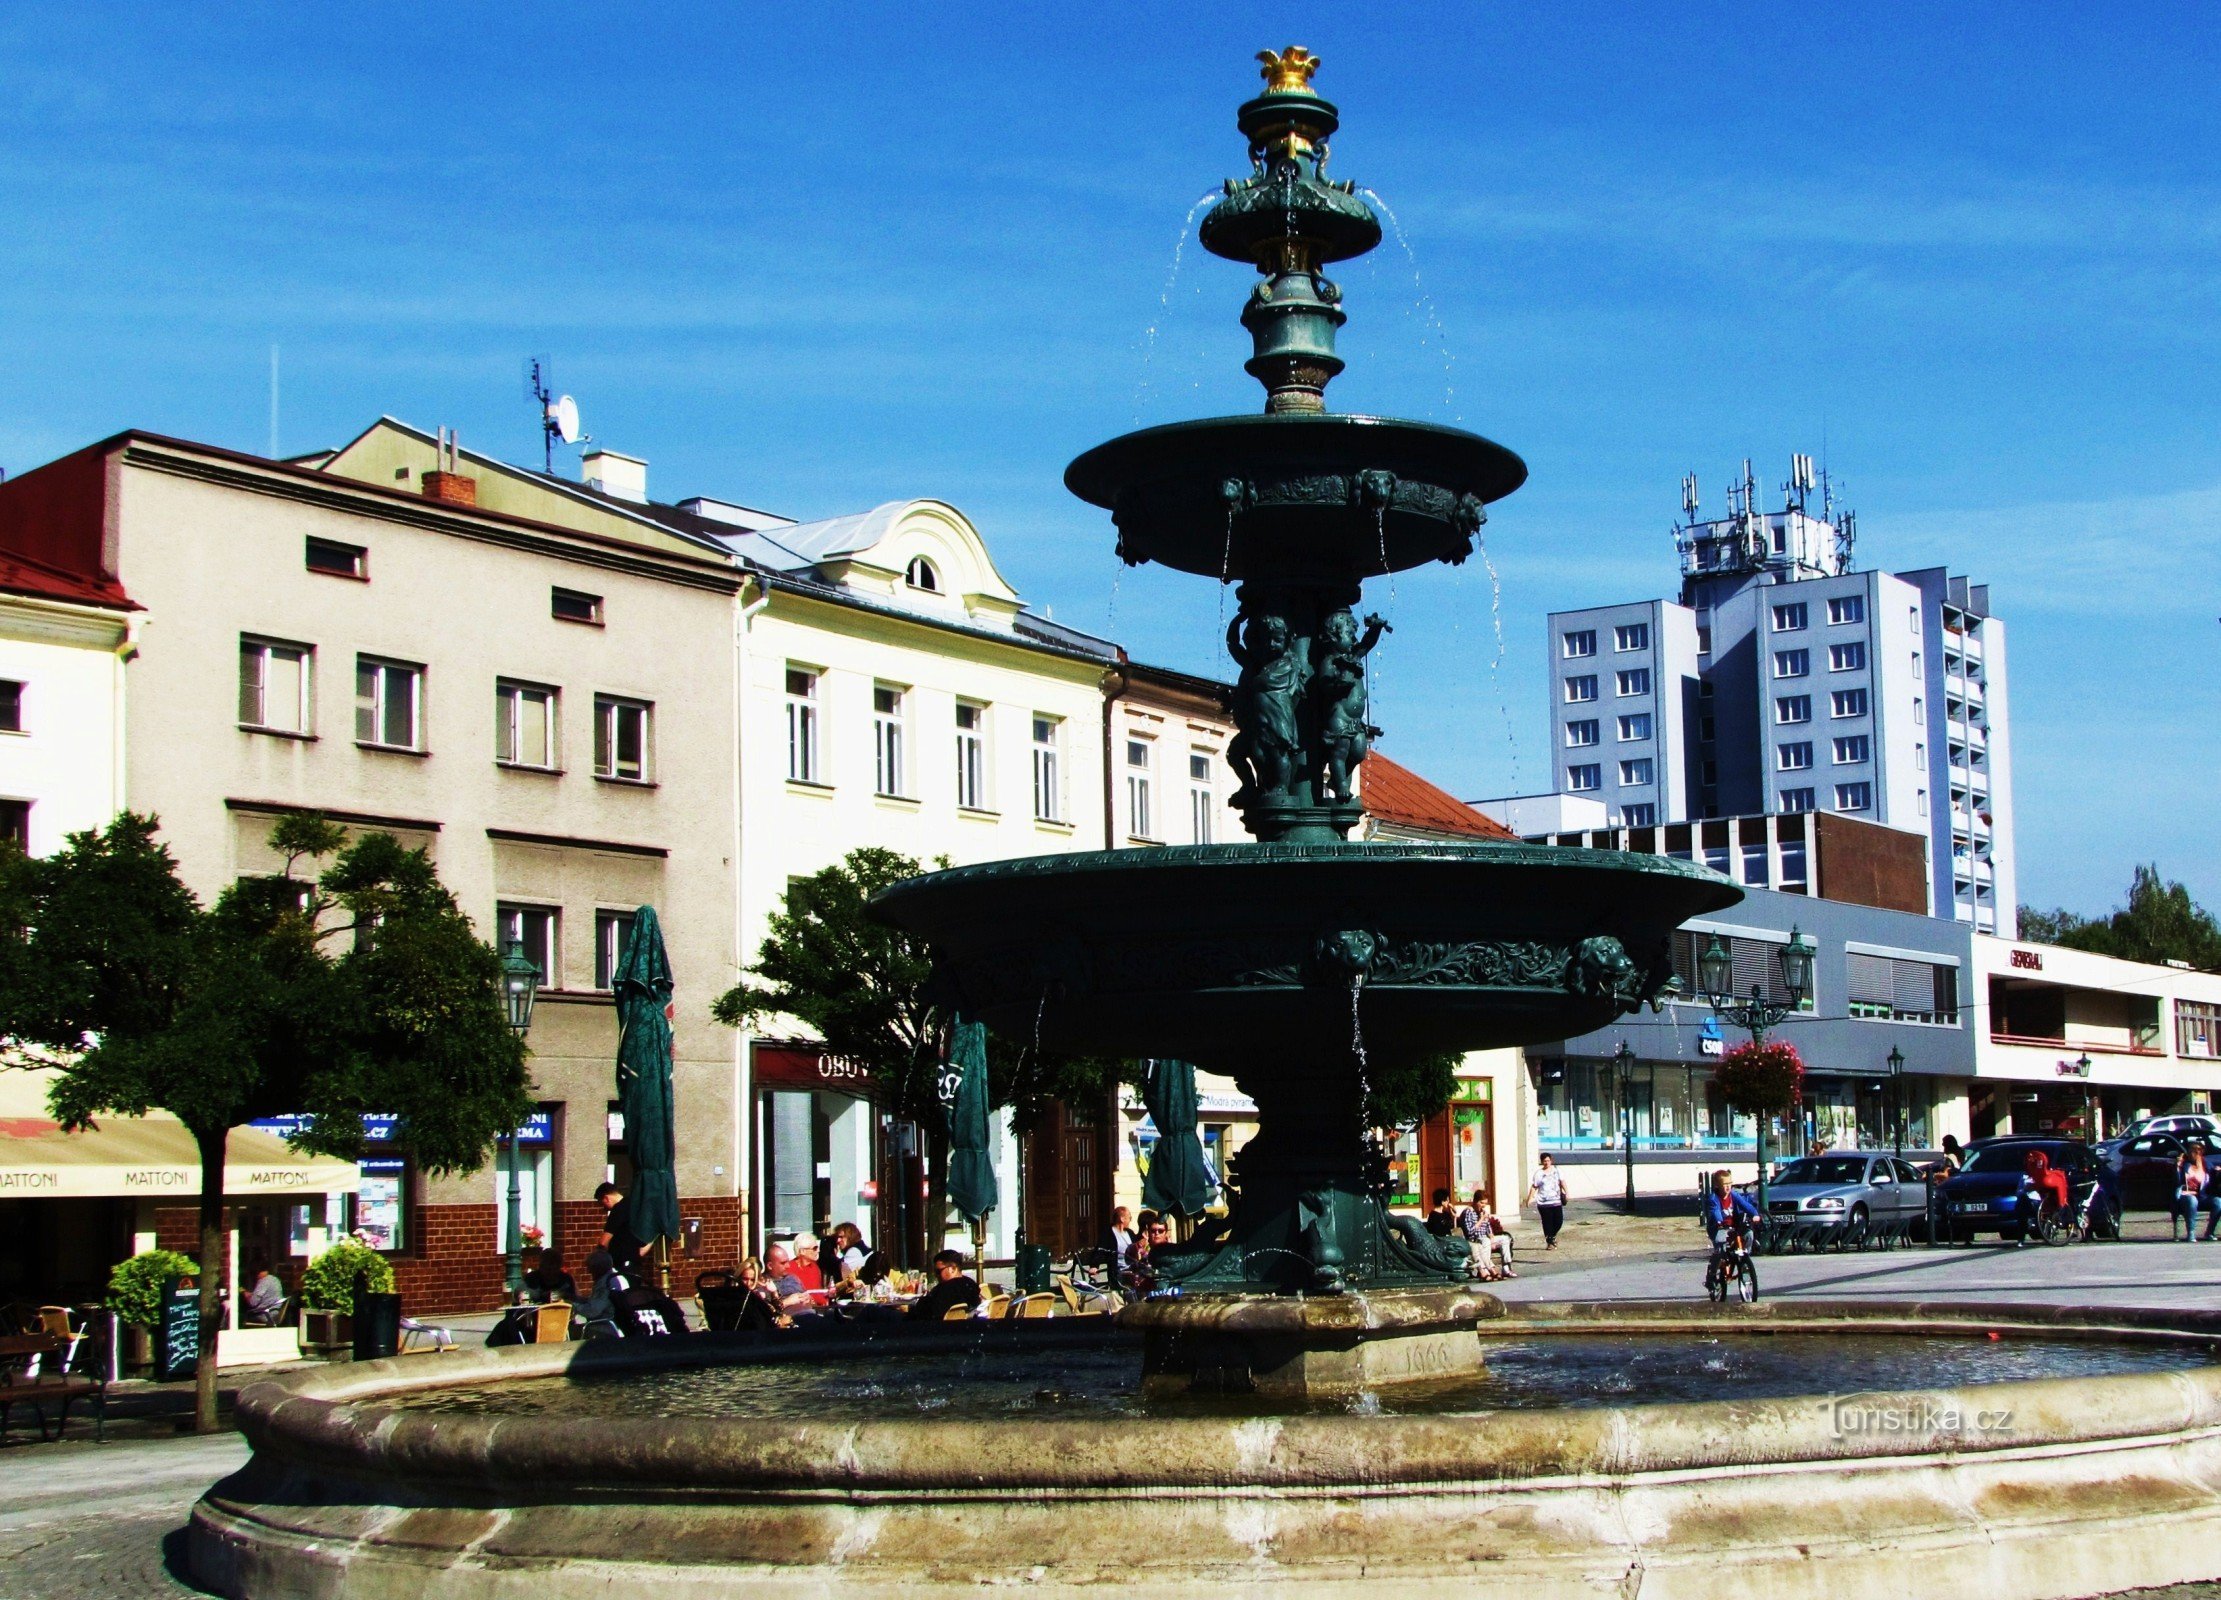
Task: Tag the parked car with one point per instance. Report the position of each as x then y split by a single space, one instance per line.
1861 1190
1985 1195
2143 1167
2177 1125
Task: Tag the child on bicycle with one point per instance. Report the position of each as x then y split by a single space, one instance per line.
1725 1208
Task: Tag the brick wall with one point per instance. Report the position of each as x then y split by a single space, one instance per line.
455 1268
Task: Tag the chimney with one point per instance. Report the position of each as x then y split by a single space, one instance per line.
621 477
443 483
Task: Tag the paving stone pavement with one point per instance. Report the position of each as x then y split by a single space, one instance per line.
104 1521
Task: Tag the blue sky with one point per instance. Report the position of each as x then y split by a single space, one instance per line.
1973 260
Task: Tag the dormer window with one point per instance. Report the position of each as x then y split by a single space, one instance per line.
920 575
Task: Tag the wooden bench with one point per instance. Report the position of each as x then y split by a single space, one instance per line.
34 1371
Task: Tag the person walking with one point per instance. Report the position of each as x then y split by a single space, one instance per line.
1547 1193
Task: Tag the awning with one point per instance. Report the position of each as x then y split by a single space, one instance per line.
135 1157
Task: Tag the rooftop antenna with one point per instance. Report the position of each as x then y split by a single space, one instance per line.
558 413
1800 482
1689 495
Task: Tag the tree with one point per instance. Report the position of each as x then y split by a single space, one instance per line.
114 974
2159 923
1406 1093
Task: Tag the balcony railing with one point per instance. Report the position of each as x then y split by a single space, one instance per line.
2090 1045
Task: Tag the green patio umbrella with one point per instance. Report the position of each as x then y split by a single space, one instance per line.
1178 1182
972 1187
643 987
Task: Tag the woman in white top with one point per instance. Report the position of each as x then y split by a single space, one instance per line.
1547 1192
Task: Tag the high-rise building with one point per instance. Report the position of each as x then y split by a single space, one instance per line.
1786 679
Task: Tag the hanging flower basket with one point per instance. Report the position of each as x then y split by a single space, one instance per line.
1762 1079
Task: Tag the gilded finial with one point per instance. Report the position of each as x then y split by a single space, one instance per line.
1288 71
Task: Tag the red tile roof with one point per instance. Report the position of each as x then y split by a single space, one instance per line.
22 575
1400 798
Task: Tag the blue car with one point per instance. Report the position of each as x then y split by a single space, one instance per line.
1985 1195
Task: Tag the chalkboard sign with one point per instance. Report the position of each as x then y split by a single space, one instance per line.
177 1337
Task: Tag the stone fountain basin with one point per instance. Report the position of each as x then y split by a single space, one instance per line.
2091 1485
1304 490
1236 951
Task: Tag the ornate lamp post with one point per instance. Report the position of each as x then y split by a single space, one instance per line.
2089 1108
520 986
1624 1059
1716 979
1897 1101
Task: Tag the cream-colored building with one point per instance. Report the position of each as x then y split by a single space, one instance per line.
63 643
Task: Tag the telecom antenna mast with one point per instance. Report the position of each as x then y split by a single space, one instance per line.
558 413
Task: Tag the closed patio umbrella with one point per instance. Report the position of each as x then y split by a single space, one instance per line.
643 988
1178 1182
972 1186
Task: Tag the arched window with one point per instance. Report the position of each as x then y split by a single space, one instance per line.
922 576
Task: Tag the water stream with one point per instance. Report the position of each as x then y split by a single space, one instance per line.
1423 302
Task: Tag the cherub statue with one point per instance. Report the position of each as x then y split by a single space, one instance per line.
1338 688
1263 749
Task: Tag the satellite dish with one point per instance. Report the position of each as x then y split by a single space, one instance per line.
563 419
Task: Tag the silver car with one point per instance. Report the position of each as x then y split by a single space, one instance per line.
1863 1192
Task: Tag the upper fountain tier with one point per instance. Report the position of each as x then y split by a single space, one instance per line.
1297 495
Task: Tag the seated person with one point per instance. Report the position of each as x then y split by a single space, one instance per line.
1727 1211
952 1290
547 1282
850 1254
781 1272
1494 1238
1442 1221
2044 1187
1138 1274
265 1298
762 1309
597 1313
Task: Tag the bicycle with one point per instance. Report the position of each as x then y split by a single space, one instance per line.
1731 1268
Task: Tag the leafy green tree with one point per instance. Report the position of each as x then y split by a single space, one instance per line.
2159 923
1406 1093
359 987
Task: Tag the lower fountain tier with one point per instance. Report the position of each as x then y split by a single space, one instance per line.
1298 497
1308 1347
1232 956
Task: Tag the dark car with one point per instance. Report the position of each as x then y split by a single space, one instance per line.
1984 1197
2143 1166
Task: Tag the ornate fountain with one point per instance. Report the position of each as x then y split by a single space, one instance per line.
1302 964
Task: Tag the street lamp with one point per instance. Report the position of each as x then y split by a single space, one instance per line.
1897 1100
2089 1110
520 986
1624 1059
1716 979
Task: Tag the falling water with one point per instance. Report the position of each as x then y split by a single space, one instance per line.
1425 303
1164 299
1225 573
1357 1050
1496 664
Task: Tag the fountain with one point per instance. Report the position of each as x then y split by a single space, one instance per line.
1319 1403
1295 963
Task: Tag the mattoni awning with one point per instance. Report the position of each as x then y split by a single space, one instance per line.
139 1157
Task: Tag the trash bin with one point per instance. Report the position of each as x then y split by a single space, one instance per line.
377 1326
1033 1269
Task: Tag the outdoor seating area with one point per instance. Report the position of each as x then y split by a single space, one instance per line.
49 1357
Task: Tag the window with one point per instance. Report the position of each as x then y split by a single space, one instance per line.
1793 856
11 706
532 928
1581 733
1139 755
1704 638
971 756
1854 796
1200 798
15 822
1048 774
1634 636
1639 816
2198 1029
1634 726
1849 703
621 738
1706 728
338 560
1708 773
1920 802
887 755
1848 608
920 575
1916 663
803 765
571 605
1578 691
1920 709
1635 774
1704 688
611 930
389 703
1793 757
1856 747
524 725
1581 779
1580 644
274 687
1793 708
1636 680
1790 618
1794 800
1792 663
1847 657
1754 864
1899 989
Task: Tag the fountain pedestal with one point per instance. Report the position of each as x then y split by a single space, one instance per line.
1308 1347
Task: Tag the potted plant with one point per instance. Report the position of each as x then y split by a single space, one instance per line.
135 1296
328 1291
532 1241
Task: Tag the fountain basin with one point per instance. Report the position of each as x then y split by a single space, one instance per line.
2055 1487
1292 1347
